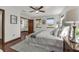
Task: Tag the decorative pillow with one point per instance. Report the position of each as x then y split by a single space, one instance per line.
56 33
60 30
53 32
65 32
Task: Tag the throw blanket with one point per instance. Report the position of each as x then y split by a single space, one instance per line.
34 34
46 41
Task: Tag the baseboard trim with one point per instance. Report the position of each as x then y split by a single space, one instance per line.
24 31
0 41
12 40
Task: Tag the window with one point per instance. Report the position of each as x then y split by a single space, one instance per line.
50 21
77 33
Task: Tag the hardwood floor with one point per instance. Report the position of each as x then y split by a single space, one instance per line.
23 34
7 46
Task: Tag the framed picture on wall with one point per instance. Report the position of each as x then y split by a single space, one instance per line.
13 19
38 23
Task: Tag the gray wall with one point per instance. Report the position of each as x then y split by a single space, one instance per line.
72 15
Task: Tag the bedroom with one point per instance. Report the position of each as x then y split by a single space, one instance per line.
43 22
42 28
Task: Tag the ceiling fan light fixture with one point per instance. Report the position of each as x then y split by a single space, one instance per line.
37 9
37 12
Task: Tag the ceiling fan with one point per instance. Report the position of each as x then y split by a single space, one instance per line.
37 9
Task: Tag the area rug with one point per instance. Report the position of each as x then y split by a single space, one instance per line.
28 46
25 47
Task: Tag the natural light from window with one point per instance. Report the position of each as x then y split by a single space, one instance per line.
50 21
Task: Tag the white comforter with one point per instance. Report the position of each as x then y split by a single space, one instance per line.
47 41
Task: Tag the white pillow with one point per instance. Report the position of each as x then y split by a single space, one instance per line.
65 32
56 32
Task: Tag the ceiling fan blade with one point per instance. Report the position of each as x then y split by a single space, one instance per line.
41 11
32 7
31 11
40 7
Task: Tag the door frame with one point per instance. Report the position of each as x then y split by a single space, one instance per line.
3 29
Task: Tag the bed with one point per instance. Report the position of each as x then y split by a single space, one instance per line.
44 39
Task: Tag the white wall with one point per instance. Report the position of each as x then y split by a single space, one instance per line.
0 24
44 18
12 31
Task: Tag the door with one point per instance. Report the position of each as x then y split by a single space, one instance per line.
2 13
0 29
30 26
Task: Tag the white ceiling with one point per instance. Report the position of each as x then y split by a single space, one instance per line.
49 10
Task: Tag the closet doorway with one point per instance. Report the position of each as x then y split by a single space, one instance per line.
2 17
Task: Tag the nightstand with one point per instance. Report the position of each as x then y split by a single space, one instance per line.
70 46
